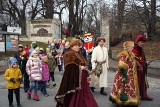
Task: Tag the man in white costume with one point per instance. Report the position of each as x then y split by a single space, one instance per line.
99 56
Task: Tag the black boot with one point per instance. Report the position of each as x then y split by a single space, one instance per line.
102 91
92 89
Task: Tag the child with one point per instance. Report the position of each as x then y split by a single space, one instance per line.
13 76
59 61
52 65
45 75
34 71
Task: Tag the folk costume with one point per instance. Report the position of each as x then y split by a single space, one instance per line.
99 62
142 73
74 89
125 89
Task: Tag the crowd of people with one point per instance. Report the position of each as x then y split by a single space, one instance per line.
83 72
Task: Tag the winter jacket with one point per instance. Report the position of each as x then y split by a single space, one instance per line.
13 73
34 69
20 56
51 63
45 71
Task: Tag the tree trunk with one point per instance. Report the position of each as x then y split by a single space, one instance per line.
49 9
22 24
72 20
152 22
121 6
77 18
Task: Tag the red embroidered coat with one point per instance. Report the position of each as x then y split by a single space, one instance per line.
128 63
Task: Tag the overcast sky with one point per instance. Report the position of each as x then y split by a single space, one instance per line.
66 14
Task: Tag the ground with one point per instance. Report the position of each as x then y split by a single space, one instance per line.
103 101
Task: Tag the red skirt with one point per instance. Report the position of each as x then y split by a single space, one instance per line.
80 98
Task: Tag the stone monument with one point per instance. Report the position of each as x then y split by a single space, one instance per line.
43 30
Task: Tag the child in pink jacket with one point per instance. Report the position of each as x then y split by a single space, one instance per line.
34 70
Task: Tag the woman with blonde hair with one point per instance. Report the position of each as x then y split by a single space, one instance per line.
125 89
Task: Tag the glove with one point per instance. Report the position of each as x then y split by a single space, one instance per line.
12 80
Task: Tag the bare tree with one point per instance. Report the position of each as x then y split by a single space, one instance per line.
16 10
148 16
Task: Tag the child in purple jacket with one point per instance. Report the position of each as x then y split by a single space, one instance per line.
45 75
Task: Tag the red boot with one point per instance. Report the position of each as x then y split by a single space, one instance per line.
29 94
35 97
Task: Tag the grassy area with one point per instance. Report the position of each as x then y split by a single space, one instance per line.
151 48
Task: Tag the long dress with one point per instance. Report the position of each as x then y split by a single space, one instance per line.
125 89
74 89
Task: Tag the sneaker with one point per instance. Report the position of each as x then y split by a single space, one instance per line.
46 95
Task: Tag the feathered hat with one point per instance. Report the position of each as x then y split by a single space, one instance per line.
140 38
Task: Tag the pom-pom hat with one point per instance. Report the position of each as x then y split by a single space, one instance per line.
11 61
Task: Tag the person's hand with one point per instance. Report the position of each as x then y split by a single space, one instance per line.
92 71
12 80
83 67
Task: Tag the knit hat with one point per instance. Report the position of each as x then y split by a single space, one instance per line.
41 49
47 49
11 61
54 40
33 52
34 44
67 44
128 44
52 44
20 46
63 41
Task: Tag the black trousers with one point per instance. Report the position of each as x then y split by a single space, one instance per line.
60 67
26 81
17 95
52 76
26 77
